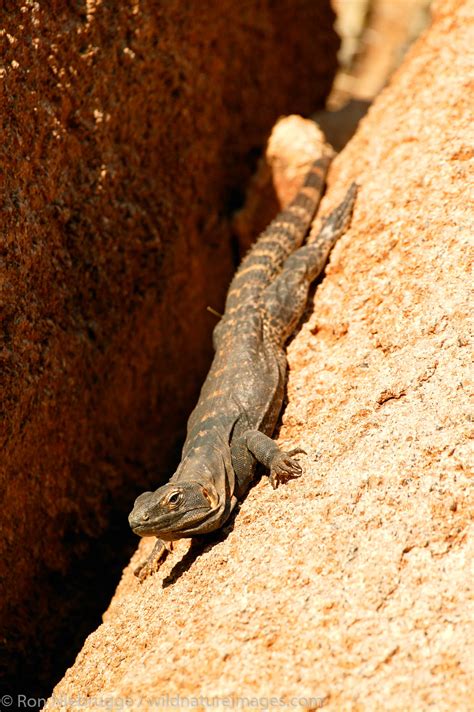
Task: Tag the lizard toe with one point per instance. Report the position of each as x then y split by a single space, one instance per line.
297 451
274 480
284 468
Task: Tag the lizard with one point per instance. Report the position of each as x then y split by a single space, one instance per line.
229 431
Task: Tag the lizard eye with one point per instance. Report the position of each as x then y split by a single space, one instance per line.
174 498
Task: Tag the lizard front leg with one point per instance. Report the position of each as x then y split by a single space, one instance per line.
157 555
281 464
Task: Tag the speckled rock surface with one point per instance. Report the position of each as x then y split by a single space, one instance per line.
130 129
350 586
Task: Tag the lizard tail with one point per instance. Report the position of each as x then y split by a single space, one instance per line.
335 224
284 235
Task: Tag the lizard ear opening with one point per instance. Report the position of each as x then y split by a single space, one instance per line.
211 497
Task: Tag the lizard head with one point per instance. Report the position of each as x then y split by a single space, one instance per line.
175 510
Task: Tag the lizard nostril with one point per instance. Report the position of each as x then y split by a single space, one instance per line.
145 517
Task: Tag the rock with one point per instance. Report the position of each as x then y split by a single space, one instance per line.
390 29
130 129
375 35
349 586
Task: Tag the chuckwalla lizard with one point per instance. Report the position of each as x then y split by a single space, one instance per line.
229 430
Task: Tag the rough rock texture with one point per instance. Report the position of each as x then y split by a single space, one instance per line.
375 35
390 28
351 584
130 129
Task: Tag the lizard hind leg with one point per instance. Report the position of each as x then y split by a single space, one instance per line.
285 299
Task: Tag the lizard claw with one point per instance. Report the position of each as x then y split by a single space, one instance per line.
284 467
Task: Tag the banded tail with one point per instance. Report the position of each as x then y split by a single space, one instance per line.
284 234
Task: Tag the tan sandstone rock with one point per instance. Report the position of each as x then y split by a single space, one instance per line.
349 587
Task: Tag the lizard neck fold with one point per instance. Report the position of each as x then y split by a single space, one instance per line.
210 464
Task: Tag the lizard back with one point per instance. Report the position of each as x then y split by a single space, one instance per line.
245 385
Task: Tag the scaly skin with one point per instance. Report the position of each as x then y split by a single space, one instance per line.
229 430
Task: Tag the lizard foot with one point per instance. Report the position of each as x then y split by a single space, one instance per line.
284 467
153 561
